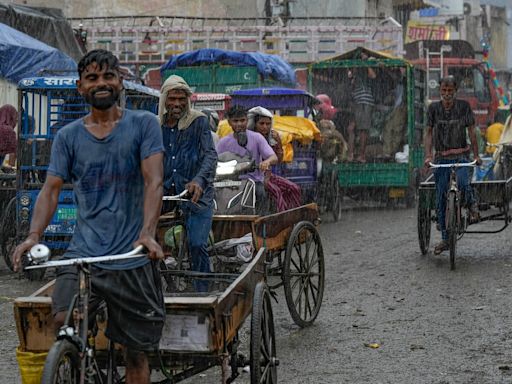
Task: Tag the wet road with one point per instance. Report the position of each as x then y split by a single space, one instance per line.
389 314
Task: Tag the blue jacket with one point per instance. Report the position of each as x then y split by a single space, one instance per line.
190 156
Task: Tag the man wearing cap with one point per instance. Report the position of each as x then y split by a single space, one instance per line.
189 163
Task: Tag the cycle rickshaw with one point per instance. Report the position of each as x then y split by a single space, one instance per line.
200 331
493 199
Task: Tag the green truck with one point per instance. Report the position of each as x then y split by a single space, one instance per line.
222 71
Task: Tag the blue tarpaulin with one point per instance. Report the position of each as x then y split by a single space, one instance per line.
23 56
269 66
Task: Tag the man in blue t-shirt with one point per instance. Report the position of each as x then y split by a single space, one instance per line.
113 157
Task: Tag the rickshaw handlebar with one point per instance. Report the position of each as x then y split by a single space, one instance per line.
453 165
182 196
136 252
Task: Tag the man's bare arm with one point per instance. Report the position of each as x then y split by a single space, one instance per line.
268 162
474 142
428 145
44 209
152 171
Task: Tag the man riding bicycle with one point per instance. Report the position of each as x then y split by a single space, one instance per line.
114 159
189 163
447 122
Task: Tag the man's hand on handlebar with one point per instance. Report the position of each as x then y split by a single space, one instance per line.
31 240
427 161
265 165
153 248
478 160
195 191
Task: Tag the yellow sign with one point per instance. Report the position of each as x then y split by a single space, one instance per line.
396 193
422 31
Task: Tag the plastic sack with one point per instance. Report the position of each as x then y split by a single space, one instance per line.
403 157
172 236
485 171
238 250
31 366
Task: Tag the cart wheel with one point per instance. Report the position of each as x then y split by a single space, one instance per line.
337 196
451 227
424 223
304 273
8 232
263 340
62 364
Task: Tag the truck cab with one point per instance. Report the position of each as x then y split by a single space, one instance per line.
457 58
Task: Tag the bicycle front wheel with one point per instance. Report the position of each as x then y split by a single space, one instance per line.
451 227
62 364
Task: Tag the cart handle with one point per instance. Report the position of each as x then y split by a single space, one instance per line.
179 197
453 165
136 252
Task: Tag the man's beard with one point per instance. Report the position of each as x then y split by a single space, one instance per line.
102 103
241 138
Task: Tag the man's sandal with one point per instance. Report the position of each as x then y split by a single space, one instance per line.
441 247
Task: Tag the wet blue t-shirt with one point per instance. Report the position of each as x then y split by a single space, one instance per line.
108 183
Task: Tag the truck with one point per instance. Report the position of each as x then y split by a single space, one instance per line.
224 71
441 58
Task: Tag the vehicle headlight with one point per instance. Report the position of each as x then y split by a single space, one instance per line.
25 200
25 213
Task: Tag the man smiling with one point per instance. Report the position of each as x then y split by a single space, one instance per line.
113 157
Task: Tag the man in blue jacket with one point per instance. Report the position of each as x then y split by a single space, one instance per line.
189 163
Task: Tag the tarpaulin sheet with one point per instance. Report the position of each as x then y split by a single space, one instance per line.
23 56
44 24
269 66
290 128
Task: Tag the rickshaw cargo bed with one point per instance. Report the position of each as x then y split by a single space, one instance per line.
195 322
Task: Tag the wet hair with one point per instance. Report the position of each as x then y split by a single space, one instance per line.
448 80
101 57
236 111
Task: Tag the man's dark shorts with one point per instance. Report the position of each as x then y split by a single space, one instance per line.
364 116
134 301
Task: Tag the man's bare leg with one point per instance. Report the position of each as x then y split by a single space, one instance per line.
363 136
137 367
351 140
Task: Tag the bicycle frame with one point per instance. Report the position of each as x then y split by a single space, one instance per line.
455 225
76 326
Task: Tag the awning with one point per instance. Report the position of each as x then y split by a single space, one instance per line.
413 5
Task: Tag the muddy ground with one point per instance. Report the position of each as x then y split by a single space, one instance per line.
389 314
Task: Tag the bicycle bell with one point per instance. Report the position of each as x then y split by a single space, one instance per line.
38 254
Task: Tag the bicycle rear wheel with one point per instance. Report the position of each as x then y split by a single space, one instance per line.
451 227
62 364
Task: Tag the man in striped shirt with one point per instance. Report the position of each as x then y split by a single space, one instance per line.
363 106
